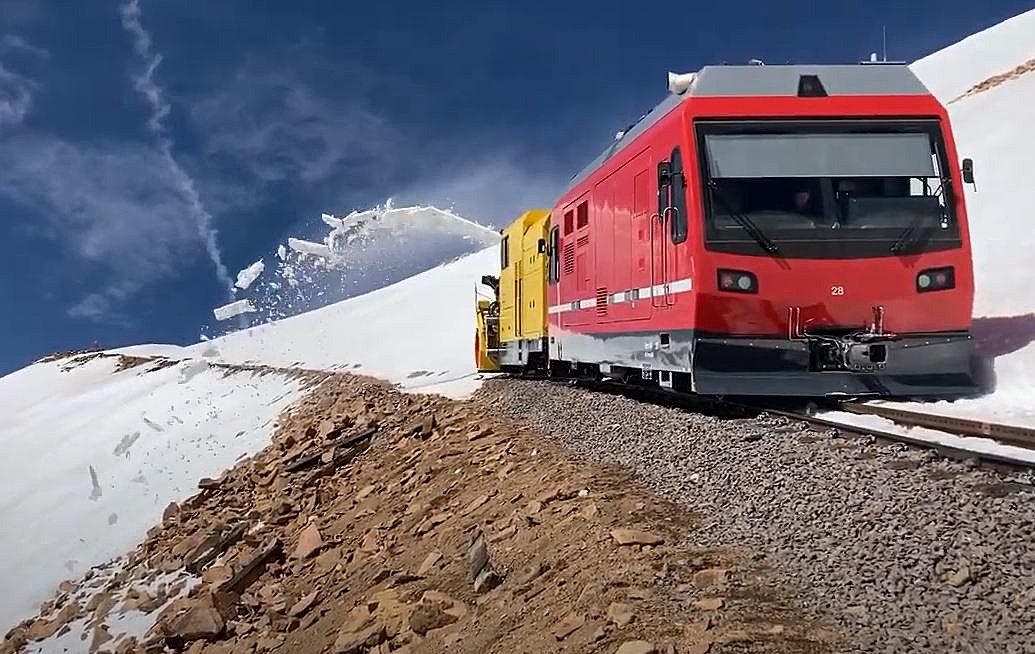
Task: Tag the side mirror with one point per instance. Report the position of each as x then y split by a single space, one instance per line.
968 171
542 245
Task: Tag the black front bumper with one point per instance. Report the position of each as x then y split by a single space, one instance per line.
922 366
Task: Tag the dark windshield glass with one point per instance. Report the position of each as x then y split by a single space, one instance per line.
805 184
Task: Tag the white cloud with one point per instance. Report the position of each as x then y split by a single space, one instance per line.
16 94
115 208
277 128
145 83
15 43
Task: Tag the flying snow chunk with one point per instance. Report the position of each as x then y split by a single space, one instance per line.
331 221
308 247
228 311
247 277
281 252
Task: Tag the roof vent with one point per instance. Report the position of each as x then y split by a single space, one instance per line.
679 83
809 86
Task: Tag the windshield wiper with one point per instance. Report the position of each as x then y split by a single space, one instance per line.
745 222
906 238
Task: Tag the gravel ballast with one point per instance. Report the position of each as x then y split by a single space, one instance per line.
906 551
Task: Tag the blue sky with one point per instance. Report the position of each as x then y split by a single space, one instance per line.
145 144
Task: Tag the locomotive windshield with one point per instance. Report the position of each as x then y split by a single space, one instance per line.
831 189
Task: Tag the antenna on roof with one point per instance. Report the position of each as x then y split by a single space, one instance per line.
884 41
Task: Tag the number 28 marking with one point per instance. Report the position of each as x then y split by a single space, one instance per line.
837 290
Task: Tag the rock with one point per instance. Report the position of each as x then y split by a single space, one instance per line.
328 429
370 542
590 511
620 614
429 563
626 536
477 557
309 542
200 622
170 512
301 606
217 574
100 636
598 634
710 577
710 604
487 580
568 625
354 642
635 647
427 616
958 578
449 604
476 504
478 434
532 572
509 532
364 492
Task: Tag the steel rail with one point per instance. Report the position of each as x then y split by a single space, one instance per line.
1008 434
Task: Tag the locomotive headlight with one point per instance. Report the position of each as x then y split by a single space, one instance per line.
737 281
936 279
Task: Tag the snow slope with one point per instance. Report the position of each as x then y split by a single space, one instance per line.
951 71
994 127
418 333
92 457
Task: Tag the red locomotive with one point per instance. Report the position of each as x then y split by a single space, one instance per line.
770 230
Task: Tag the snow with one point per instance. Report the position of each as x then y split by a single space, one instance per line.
418 333
233 309
247 277
308 247
982 445
994 128
92 457
952 70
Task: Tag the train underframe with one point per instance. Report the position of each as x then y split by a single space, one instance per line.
921 366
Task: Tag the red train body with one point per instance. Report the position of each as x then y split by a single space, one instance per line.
772 230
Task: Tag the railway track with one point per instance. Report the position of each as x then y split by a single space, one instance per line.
1014 436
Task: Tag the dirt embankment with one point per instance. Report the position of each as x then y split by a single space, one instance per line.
384 522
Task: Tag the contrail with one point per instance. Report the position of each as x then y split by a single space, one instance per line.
146 86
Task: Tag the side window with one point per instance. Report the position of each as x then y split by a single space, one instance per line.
504 252
554 272
569 223
678 213
582 215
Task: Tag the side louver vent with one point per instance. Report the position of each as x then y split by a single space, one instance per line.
569 258
602 298
583 241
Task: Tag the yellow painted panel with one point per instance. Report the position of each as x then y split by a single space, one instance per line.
523 277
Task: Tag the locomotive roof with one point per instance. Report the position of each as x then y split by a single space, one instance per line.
732 81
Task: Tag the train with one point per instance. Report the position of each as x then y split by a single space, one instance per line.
778 231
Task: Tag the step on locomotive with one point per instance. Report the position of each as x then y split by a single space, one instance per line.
763 231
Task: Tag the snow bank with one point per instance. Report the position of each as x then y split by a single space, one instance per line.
93 457
418 332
